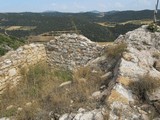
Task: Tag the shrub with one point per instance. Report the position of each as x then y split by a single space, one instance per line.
146 84
116 50
9 41
2 51
28 112
31 88
153 27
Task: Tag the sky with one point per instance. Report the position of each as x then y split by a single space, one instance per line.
74 5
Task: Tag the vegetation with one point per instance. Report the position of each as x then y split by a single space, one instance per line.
146 84
9 42
39 93
87 23
116 50
153 27
156 55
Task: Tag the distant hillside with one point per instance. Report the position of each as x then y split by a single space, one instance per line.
89 23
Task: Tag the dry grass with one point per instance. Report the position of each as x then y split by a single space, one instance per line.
156 55
116 50
39 93
11 28
145 84
40 38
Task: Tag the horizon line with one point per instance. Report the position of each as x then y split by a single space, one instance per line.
50 11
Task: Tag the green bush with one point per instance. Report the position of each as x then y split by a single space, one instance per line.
153 27
3 51
9 41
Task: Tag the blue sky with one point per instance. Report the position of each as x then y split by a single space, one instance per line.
74 5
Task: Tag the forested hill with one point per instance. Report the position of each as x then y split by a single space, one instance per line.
97 26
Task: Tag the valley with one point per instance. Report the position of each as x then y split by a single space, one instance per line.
93 25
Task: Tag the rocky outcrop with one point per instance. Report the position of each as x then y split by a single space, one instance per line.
71 50
82 114
135 63
12 64
141 58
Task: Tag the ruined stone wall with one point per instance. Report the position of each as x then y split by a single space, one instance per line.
12 63
72 50
67 51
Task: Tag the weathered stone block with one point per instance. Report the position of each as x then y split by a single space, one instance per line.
12 72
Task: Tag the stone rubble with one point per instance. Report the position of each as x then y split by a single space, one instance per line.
69 51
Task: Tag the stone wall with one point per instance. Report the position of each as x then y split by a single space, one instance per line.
67 51
71 50
12 63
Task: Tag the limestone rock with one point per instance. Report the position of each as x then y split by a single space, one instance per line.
90 115
106 76
96 95
65 84
124 112
12 72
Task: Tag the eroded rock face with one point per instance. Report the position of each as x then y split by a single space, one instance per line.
136 62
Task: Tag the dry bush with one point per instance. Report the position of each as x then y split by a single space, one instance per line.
41 85
28 112
32 87
156 55
78 94
146 84
116 50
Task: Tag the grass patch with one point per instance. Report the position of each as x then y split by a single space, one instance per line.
39 93
116 50
65 75
145 84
